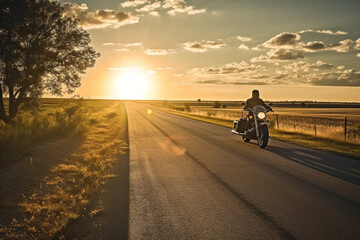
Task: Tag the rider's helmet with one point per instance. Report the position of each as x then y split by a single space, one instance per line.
255 94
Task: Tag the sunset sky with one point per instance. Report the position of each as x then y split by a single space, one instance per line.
212 49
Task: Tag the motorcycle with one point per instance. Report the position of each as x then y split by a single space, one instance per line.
258 129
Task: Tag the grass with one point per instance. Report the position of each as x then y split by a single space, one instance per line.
325 120
319 143
60 182
58 119
324 144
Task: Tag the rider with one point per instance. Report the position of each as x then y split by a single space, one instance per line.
255 100
250 103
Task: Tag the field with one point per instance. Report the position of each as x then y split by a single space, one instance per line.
52 162
316 119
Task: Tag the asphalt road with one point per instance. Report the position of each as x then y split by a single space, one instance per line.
195 180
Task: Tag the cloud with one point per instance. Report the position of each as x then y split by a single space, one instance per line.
329 32
260 76
343 46
122 50
135 44
178 75
203 46
124 47
243 39
164 68
304 66
314 46
291 41
297 66
172 3
357 44
246 83
229 68
102 18
134 3
283 40
320 65
190 10
349 77
243 46
150 7
210 81
179 6
346 45
154 13
222 82
118 68
278 55
159 52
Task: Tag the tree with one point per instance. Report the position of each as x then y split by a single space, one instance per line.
217 104
41 51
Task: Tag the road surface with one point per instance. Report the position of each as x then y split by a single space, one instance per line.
195 180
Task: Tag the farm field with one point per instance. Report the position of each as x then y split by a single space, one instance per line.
326 122
353 113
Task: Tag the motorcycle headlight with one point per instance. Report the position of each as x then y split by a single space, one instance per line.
261 115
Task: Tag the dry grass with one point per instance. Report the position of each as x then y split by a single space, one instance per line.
326 122
59 119
323 127
324 144
63 192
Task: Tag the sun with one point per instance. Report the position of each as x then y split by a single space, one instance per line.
132 83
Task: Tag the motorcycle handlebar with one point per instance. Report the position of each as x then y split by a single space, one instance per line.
267 110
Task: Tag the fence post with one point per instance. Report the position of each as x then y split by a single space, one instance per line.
315 129
277 121
345 125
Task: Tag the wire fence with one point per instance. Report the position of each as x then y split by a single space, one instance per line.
337 128
343 129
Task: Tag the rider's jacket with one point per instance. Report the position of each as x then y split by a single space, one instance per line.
251 102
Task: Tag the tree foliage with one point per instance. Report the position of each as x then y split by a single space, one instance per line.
216 104
41 51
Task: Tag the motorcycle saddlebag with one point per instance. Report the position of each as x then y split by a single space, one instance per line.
241 125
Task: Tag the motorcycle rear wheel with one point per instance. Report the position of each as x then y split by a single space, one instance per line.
263 138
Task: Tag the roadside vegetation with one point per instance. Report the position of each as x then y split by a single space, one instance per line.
323 131
71 146
57 118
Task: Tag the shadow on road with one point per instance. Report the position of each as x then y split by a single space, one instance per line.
340 167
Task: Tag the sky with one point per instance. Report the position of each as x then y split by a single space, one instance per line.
222 50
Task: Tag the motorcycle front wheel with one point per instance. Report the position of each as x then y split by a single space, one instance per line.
245 138
263 136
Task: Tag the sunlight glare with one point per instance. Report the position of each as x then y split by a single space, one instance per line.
132 83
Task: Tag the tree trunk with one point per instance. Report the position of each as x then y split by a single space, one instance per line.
11 102
2 107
